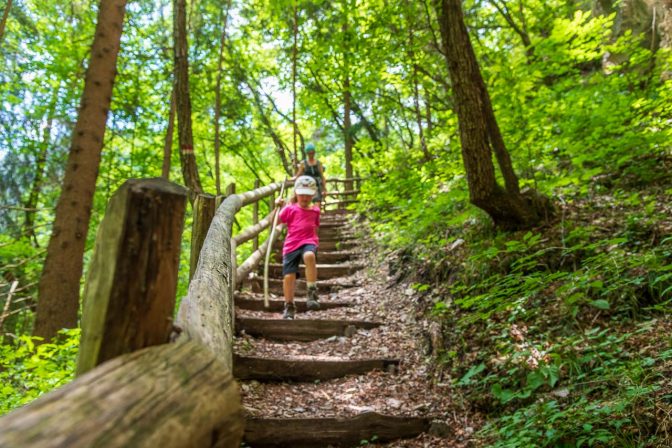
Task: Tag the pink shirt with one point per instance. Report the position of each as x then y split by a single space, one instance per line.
302 226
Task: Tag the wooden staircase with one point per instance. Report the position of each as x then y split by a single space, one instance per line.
338 261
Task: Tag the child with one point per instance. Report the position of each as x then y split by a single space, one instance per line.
302 219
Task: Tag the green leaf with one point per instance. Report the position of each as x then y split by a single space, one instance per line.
601 304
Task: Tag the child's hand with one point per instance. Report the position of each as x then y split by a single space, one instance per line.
279 202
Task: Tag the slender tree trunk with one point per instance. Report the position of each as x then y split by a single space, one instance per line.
168 142
40 166
183 100
479 133
414 79
295 51
3 22
218 98
58 288
347 123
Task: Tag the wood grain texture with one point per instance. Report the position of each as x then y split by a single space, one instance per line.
268 369
335 432
206 313
174 395
129 296
299 329
277 305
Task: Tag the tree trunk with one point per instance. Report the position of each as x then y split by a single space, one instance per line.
479 132
59 284
218 98
168 142
295 50
40 166
347 123
3 22
183 100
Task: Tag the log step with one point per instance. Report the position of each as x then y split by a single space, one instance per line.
275 286
306 370
324 271
276 305
324 257
328 245
335 432
299 329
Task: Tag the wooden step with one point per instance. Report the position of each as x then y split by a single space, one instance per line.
337 212
275 286
324 271
334 224
340 203
334 432
299 329
324 257
304 369
343 193
328 245
277 305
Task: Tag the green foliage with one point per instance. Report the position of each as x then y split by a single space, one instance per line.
28 370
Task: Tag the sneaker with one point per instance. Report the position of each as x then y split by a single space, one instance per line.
312 304
289 312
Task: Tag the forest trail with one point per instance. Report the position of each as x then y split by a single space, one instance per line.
351 374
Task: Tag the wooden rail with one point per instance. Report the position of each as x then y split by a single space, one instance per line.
144 381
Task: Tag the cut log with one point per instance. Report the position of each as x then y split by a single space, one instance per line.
299 329
327 245
275 286
268 369
277 305
335 432
326 257
324 271
129 296
172 395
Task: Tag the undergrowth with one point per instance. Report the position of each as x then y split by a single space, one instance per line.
27 369
558 336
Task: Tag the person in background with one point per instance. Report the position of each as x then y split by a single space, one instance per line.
313 168
303 220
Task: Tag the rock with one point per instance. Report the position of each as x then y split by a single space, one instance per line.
440 429
350 331
393 403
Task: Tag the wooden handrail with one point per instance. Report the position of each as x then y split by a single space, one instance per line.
169 395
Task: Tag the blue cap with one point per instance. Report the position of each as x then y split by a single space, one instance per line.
310 147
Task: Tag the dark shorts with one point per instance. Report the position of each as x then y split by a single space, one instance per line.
318 195
291 261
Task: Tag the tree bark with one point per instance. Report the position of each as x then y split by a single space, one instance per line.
218 98
479 132
168 142
59 284
347 123
40 166
183 100
3 22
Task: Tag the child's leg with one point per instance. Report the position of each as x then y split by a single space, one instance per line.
288 282
310 261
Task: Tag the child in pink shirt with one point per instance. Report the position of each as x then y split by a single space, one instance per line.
302 219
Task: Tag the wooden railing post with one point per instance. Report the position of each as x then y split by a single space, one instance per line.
255 217
129 296
204 210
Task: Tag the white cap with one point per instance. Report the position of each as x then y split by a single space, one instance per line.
305 185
